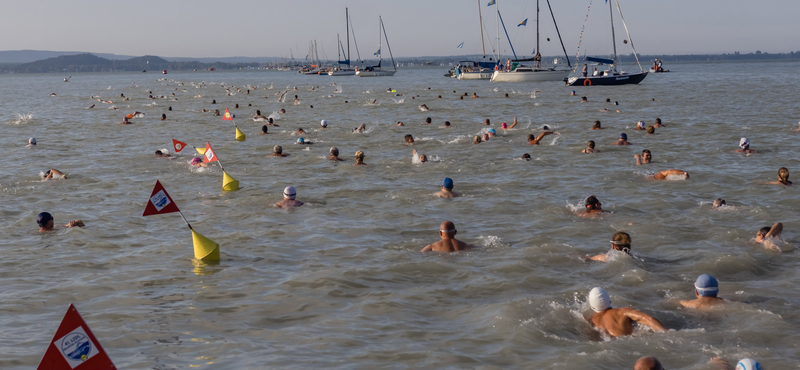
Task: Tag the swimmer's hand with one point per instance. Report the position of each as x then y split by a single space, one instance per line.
75 223
720 363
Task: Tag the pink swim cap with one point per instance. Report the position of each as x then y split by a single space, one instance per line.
196 160
504 125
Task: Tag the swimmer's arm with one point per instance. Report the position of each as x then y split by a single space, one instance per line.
75 223
54 172
645 319
775 231
427 248
720 363
599 257
515 123
663 174
638 159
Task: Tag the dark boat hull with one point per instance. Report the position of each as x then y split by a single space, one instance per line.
626 79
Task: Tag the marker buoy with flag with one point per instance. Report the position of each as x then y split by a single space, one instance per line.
180 145
229 117
160 203
228 182
74 347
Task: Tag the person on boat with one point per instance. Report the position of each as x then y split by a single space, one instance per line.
47 223
769 235
597 126
590 148
621 242
783 177
623 140
595 73
289 195
593 207
360 159
334 155
672 174
277 151
448 242
645 158
447 189
535 140
584 70
617 321
658 123
744 146
706 288
51 173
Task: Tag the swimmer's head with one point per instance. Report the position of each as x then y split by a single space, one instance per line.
447 123
360 155
277 149
486 122
599 300
423 158
447 228
428 120
593 203
748 364
744 143
323 123
783 174
264 129
476 140
546 128
447 183
32 141
258 112
640 124
334 151
621 240
196 161
647 363
492 131
719 202
47 173
526 157
159 153
409 139
590 144
596 124
301 140
623 136
706 286
608 100
504 125
269 119
531 137
651 130
658 121
43 218
762 232
289 193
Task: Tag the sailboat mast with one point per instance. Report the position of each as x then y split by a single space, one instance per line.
613 37
347 25
380 45
338 47
497 20
394 65
538 62
559 33
480 17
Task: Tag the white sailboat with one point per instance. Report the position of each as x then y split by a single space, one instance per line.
378 71
344 68
475 70
524 73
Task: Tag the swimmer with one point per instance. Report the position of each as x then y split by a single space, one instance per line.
373 101
621 241
409 139
658 123
706 288
418 158
90 107
476 139
424 108
449 243
125 121
439 98
216 112
645 158
303 141
506 95
664 175
32 141
400 123
163 117
526 157
593 207
504 126
623 140
617 321
323 124
719 202
446 125
597 126
360 159
214 101
639 125
300 131
492 133
198 162
798 127
258 116
161 154
590 148
288 199
573 93
271 122
651 130
647 363
46 222
282 111
51 173
584 100
485 137
428 121
767 235
334 154
513 124
447 189
486 122
744 146
361 128
277 151
264 130
783 177
475 95
535 140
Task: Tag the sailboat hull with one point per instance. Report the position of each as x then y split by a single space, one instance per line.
344 72
529 75
474 75
623 79
375 73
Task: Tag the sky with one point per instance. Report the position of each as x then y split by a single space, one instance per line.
271 28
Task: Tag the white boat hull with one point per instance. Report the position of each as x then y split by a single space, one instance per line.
375 73
474 75
530 76
342 73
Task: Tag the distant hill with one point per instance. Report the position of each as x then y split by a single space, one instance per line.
92 63
27 56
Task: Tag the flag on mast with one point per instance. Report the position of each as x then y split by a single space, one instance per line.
523 23
74 346
460 46
493 2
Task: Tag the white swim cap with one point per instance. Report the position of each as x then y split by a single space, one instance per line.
289 192
640 124
324 123
32 141
748 364
599 299
744 142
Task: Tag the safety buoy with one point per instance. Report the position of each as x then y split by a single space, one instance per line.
587 82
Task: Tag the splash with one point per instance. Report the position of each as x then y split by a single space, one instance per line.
275 116
23 118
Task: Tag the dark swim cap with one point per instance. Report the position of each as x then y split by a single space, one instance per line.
623 136
43 219
447 183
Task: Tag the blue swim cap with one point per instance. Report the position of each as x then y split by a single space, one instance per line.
447 183
623 136
706 286
300 140
43 218
748 364
492 131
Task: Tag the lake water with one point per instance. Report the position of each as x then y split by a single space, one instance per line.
340 282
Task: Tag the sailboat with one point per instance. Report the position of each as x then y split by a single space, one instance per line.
610 76
344 68
377 71
524 73
475 70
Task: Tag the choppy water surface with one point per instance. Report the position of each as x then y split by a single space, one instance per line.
339 283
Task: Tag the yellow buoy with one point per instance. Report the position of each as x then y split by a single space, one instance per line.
205 249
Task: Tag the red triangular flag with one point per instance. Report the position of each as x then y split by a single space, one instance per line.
74 347
159 202
209 156
178 145
227 116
